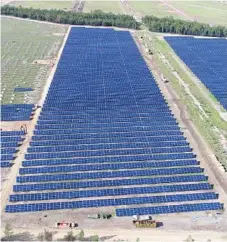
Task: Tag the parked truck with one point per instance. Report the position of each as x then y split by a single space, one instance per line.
145 222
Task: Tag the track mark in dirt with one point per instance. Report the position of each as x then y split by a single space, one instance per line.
178 11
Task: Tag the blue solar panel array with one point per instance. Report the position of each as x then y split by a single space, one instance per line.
23 89
10 141
207 58
16 112
105 130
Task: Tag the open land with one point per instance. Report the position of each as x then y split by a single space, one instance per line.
210 12
24 45
44 4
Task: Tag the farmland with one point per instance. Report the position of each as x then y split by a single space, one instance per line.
202 11
23 43
105 6
45 4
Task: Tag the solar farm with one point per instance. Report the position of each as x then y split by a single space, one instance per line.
114 124
210 66
100 134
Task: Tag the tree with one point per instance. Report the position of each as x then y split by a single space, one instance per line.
81 235
94 238
190 239
45 236
8 231
95 18
69 237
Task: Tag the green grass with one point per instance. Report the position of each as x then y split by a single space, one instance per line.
105 6
22 43
202 11
44 4
205 125
153 8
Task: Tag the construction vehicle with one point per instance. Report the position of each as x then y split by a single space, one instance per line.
100 216
66 225
145 222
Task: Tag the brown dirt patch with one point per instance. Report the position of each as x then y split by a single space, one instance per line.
14 126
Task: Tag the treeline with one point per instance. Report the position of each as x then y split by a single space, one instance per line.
175 26
99 18
96 18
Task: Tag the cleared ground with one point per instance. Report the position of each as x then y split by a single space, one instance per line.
210 12
105 6
24 44
44 4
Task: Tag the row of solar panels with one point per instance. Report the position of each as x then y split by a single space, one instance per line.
109 174
70 135
9 147
73 129
152 141
110 159
109 166
108 192
119 212
116 152
103 146
109 183
16 112
169 209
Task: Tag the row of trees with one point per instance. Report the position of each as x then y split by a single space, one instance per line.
175 26
99 18
96 18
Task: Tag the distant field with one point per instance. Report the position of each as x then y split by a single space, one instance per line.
66 5
23 42
155 8
203 11
105 6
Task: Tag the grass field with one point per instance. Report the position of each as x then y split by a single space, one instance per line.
44 4
153 8
105 6
23 42
203 11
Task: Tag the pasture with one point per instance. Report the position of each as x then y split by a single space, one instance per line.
105 6
201 11
23 43
63 5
